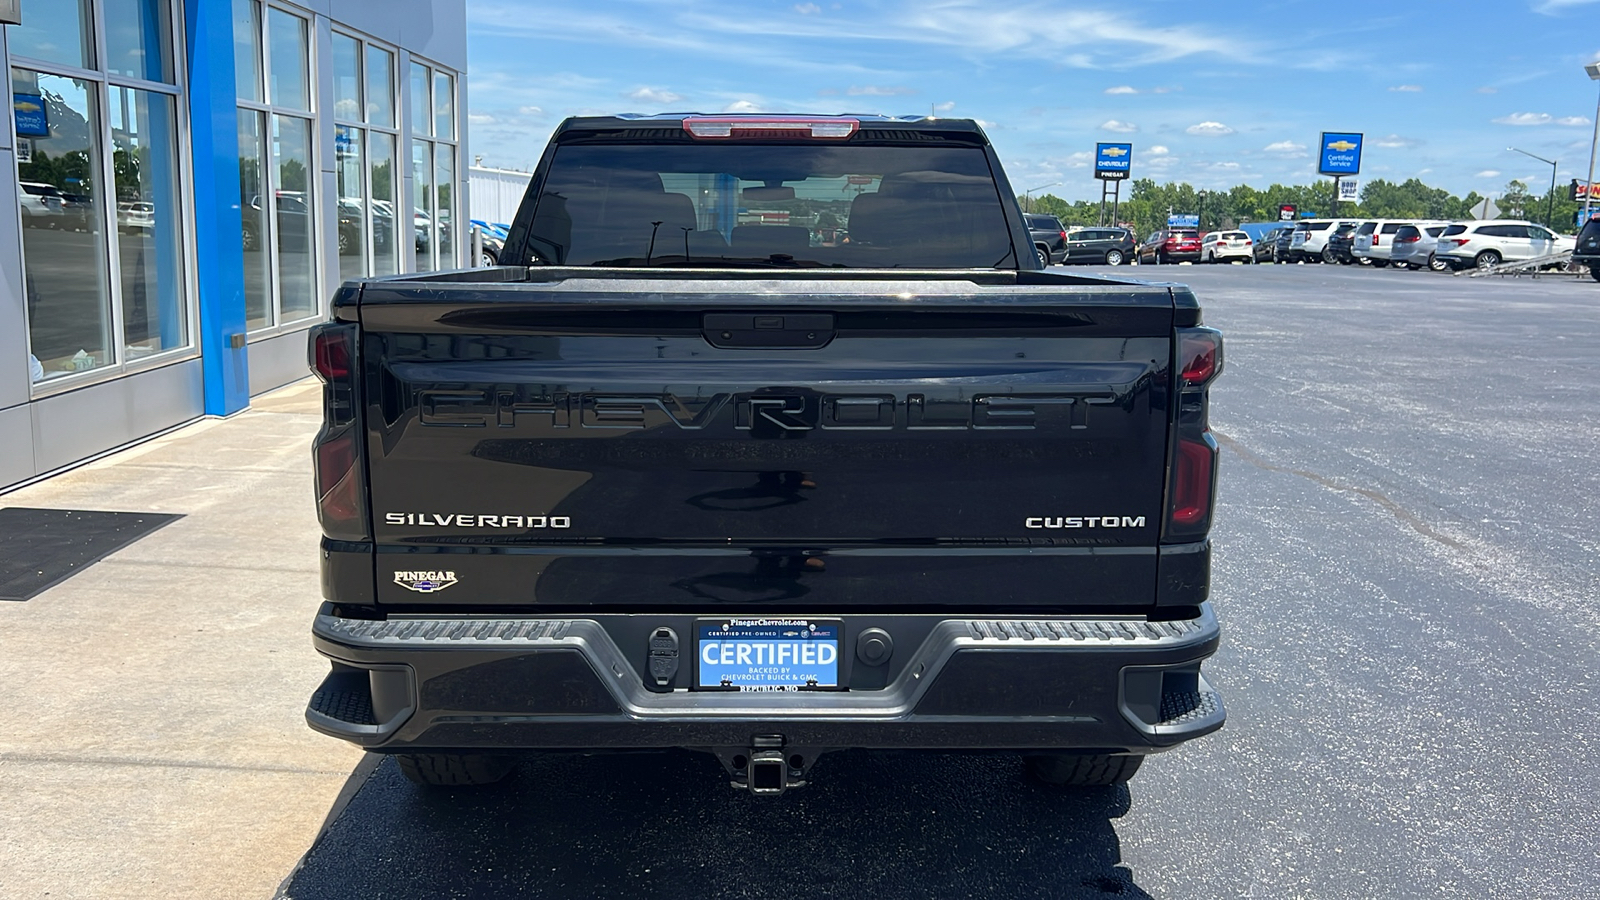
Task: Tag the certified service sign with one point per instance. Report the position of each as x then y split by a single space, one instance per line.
1112 162
1341 154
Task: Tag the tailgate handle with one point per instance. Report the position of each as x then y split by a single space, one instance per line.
776 331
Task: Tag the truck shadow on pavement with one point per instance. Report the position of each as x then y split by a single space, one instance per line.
667 825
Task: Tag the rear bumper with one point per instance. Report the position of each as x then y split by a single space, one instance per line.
1118 685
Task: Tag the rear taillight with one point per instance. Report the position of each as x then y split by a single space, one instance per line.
1063 235
1375 240
340 486
1191 481
1407 240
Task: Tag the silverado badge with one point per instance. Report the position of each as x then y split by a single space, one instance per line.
424 582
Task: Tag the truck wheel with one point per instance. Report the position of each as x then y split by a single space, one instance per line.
1594 272
454 769
1488 258
1113 257
1080 770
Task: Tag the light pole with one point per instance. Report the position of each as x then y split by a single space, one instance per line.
1550 201
1588 195
1028 194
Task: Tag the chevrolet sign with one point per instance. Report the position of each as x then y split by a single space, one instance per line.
1341 154
1112 162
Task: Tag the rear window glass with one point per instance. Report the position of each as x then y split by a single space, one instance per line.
1237 236
764 205
1317 226
1455 229
1435 230
1408 231
1391 228
1367 228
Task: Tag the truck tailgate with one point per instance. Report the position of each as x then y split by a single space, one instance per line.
749 443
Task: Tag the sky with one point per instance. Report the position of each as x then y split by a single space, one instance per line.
1213 93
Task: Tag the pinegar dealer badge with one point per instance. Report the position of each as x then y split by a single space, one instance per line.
425 582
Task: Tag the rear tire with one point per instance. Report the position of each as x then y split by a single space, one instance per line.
1594 272
1379 263
1080 770
1113 257
1437 264
454 769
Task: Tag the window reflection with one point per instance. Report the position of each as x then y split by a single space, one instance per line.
348 167
289 51
138 38
385 246
247 49
421 106
422 203
53 30
64 262
444 170
294 199
252 208
145 160
380 87
346 78
444 106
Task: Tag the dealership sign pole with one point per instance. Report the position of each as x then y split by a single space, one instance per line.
1112 163
1339 155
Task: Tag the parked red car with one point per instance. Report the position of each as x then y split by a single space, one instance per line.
1171 245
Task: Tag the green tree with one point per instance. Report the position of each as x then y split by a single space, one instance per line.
1515 201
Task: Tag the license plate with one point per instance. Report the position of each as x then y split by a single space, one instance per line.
767 655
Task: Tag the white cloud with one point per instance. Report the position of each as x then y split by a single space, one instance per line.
807 9
1487 89
1158 150
1552 7
945 106
1523 118
1286 148
1488 173
1119 127
877 90
654 95
1209 129
741 106
1395 140
1122 89
531 111
477 119
985 123
1407 88
1572 120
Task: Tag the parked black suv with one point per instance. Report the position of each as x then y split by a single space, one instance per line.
1588 250
1049 238
1339 243
1097 246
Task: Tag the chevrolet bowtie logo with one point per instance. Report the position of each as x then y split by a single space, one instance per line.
1115 151
1341 146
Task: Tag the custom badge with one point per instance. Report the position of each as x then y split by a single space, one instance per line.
425 582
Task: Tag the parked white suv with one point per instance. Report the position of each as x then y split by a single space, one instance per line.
1493 241
1226 246
1309 242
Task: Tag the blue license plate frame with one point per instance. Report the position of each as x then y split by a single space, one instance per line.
768 654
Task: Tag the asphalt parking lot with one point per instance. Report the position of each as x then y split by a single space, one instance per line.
1407 570
1406 575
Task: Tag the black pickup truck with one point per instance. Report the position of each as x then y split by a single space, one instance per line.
682 473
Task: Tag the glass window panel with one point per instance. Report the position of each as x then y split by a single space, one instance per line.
64 270
444 181
253 204
422 203
385 246
288 48
139 38
295 200
444 106
144 157
421 106
247 49
348 168
346 78
380 86
53 30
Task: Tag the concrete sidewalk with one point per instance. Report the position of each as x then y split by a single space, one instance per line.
151 734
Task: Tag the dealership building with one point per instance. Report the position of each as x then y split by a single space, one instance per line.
192 179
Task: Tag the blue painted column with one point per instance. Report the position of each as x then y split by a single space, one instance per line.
214 130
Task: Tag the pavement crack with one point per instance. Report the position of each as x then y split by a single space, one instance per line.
1405 516
145 762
